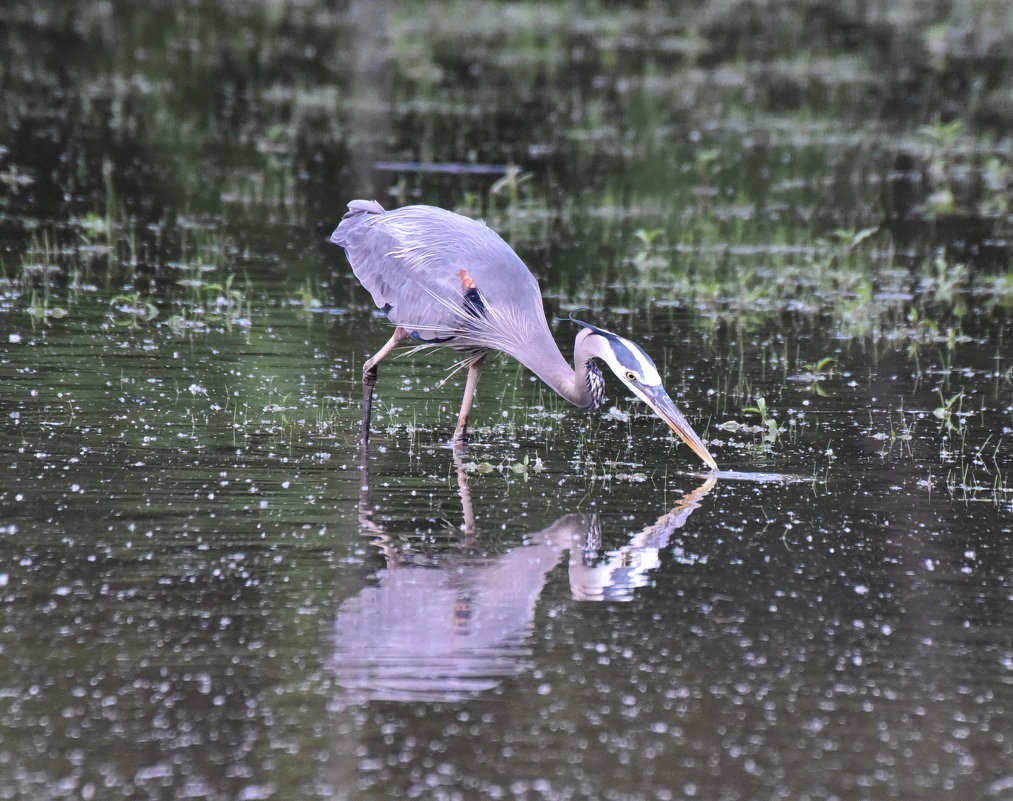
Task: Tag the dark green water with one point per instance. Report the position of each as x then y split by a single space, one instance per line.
206 591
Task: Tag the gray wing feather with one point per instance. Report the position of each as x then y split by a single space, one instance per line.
410 260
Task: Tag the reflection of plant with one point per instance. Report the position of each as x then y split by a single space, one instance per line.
842 266
281 408
922 329
39 268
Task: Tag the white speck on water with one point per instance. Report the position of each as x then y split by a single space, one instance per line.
616 413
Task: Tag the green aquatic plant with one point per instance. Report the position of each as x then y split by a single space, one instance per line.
945 412
307 297
96 228
899 435
510 185
706 162
41 310
822 368
769 426
997 290
227 301
131 309
815 373
14 179
947 280
943 134
982 479
851 239
649 239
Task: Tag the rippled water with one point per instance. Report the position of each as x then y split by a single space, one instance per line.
209 591
205 595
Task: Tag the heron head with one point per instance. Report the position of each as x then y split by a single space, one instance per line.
637 371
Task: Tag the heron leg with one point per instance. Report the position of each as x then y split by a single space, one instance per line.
474 370
369 380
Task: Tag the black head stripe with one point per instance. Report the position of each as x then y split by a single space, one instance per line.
622 348
594 328
624 355
615 340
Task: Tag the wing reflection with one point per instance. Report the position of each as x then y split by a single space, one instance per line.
445 626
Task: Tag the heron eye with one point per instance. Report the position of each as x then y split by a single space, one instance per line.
631 376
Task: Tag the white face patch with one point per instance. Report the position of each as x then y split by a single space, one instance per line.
646 372
622 357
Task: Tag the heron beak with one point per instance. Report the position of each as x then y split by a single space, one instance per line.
658 400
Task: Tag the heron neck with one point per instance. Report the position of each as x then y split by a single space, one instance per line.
568 382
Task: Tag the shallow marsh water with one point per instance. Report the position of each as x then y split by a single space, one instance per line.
207 592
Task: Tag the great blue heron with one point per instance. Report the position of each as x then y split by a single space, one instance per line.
448 280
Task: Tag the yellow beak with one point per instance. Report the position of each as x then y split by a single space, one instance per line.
658 400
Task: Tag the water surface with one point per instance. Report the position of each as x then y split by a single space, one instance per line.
209 591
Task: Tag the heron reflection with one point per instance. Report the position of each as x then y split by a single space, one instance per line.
448 625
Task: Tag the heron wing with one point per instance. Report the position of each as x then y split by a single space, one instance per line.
440 276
